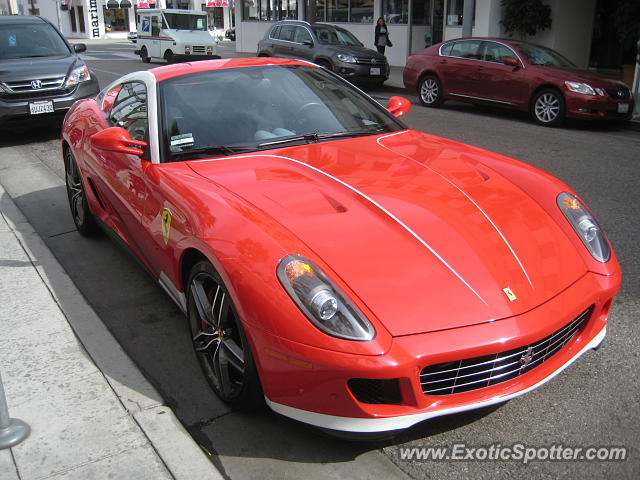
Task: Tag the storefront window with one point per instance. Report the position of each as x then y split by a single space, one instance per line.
337 11
361 11
455 10
395 11
81 18
269 10
422 12
116 19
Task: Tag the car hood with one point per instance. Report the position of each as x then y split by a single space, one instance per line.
575 74
36 67
420 230
357 51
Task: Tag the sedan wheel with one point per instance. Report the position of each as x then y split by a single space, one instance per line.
548 108
219 340
430 91
82 216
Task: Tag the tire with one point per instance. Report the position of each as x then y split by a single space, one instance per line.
219 340
547 108
169 57
144 56
430 91
82 216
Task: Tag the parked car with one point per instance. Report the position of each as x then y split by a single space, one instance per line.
132 37
355 274
40 72
515 74
329 46
230 33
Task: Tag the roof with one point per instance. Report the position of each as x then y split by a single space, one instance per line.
179 69
18 19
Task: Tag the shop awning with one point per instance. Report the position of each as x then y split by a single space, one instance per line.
125 4
217 3
143 3
113 4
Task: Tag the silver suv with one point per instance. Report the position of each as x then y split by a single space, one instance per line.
330 46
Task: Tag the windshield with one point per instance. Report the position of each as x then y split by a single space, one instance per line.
252 108
30 40
537 55
328 35
184 21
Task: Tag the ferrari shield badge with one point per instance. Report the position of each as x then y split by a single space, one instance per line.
166 225
509 293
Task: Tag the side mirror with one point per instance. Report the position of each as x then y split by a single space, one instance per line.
398 106
511 61
117 139
79 47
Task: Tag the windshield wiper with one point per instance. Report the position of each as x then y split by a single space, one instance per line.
316 137
215 150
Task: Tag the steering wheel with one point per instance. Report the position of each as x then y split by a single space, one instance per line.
305 115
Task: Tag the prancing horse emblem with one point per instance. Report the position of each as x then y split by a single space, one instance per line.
509 293
166 225
526 357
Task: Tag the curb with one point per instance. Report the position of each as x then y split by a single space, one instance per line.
181 455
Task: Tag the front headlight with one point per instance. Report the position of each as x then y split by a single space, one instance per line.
579 87
346 58
78 75
585 226
187 49
321 302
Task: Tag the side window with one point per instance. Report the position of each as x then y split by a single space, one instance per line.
287 32
446 49
302 35
495 52
130 110
466 49
155 26
275 32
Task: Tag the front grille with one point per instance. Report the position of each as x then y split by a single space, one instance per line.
480 372
374 391
370 61
24 90
36 94
198 49
618 93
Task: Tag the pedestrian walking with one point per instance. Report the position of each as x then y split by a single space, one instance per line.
382 36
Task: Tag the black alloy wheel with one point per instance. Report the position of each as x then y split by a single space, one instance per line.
219 340
82 216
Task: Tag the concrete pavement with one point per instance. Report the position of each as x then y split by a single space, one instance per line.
92 413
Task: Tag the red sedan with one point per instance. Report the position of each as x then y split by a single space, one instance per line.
518 75
354 274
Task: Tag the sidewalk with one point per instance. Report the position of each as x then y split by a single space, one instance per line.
53 352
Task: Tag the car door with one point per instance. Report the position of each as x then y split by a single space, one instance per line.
119 177
283 47
155 48
303 44
499 82
457 67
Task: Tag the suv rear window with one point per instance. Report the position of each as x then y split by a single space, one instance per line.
30 40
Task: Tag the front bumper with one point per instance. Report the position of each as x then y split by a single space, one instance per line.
18 108
356 72
312 385
598 108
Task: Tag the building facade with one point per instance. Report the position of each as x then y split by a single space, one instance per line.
432 21
94 19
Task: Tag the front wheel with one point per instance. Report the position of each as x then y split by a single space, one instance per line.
547 108
169 57
82 217
430 91
219 340
144 55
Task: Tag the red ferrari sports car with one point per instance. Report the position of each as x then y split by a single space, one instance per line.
354 274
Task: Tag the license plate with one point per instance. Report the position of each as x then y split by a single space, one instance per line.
374 71
623 108
45 106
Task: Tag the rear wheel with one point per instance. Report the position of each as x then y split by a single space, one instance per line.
219 340
430 91
547 108
169 57
144 55
82 217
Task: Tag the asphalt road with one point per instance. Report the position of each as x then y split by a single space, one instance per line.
593 403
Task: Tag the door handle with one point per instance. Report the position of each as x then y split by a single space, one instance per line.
443 61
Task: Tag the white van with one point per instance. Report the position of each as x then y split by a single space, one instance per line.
174 35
